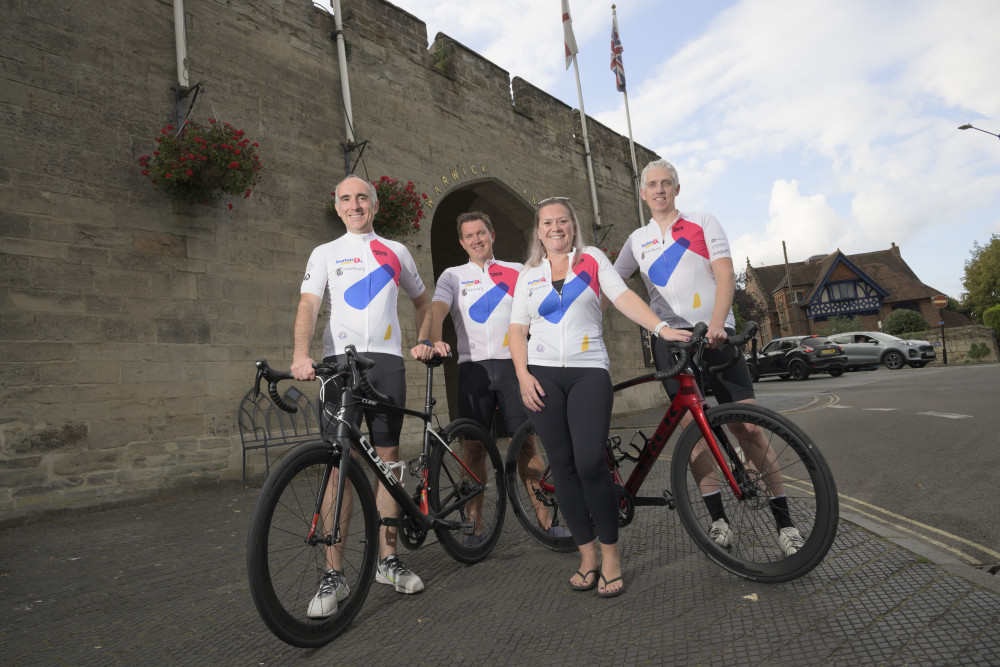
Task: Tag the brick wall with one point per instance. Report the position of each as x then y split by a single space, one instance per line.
129 323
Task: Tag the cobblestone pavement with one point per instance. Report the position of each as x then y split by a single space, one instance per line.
165 584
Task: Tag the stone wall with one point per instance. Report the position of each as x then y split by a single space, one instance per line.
129 323
959 340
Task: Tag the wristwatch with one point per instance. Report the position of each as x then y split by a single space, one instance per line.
425 342
656 331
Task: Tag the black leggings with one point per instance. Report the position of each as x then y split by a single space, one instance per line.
574 427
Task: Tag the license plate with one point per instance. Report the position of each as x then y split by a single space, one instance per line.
830 351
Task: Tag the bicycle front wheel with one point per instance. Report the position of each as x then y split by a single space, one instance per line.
467 488
286 560
532 491
770 458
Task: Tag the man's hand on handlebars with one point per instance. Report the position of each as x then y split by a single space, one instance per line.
716 336
302 369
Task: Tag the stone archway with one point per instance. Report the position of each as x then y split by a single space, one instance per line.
512 218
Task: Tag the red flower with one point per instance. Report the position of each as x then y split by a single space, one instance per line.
189 173
230 207
168 175
145 172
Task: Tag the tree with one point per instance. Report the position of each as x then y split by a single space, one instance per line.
838 324
745 305
991 318
904 321
982 277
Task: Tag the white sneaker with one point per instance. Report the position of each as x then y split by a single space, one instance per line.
790 540
332 589
721 533
391 570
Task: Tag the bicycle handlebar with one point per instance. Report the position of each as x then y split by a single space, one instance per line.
684 350
356 366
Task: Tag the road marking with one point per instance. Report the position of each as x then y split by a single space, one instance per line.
946 415
879 409
853 505
994 555
840 407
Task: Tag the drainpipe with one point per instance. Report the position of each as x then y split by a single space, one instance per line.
345 86
180 37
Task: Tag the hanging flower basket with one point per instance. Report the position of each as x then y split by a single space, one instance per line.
200 163
400 208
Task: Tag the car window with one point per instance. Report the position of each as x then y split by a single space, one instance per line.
842 340
787 345
819 340
771 347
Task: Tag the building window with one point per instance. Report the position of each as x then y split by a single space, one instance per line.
842 291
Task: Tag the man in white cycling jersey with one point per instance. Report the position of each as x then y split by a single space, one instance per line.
478 296
685 261
359 275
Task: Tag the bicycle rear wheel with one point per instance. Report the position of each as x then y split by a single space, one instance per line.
467 484
795 466
532 491
285 565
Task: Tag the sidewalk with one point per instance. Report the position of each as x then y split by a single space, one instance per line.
165 584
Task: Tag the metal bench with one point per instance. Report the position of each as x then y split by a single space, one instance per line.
263 425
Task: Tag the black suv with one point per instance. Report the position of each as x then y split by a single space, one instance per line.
797 357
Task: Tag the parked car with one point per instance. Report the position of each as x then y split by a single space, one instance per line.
870 348
798 357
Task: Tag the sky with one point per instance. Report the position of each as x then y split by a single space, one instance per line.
821 124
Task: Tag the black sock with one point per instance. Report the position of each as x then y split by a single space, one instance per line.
779 508
713 502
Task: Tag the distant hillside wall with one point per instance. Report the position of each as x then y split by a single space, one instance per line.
128 322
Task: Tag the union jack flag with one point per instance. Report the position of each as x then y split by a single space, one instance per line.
617 66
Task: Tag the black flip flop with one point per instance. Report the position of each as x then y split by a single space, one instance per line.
611 594
585 586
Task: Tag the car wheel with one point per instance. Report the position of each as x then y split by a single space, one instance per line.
893 360
797 370
836 372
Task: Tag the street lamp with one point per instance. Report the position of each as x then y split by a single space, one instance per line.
967 126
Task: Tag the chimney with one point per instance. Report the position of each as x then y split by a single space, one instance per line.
895 249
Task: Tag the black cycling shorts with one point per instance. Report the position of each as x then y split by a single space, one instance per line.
486 387
389 377
731 385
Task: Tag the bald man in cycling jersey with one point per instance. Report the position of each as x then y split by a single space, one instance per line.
685 261
360 275
478 296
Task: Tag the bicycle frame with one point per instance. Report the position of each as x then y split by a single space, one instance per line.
687 399
345 432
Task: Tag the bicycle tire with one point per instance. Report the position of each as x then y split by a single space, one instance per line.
527 504
808 484
285 569
450 482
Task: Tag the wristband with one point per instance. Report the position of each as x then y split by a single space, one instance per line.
425 342
656 331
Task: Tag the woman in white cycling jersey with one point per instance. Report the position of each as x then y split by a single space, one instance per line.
564 380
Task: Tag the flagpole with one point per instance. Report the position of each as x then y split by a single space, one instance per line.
586 149
628 116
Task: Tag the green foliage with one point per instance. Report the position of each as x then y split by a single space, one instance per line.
902 321
198 163
745 305
982 277
400 208
991 318
978 351
953 305
838 324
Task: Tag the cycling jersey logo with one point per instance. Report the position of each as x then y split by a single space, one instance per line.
362 293
504 279
686 237
553 307
341 335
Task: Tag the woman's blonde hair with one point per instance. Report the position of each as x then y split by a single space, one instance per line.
536 251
